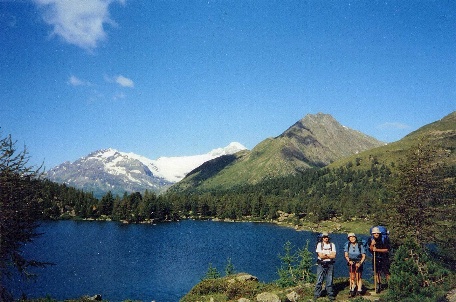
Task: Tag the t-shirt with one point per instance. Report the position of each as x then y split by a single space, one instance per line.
355 251
325 249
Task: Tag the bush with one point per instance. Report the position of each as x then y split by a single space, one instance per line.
209 286
415 276
238 289
224 289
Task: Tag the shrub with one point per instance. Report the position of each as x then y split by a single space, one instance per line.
238 289
415 276
209 286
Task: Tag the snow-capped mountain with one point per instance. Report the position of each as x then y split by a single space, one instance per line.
173 169
112 170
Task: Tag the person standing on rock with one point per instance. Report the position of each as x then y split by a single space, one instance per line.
326 252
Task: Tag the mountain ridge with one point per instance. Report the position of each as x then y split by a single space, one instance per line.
439 134
314 141
108 169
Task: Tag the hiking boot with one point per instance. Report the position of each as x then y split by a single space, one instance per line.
378 289
351 294
359 293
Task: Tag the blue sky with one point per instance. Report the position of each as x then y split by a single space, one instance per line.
173 78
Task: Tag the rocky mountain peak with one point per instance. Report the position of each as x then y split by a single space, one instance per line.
316 140
112 170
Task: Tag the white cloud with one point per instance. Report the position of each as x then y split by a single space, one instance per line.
78 22
393 125
75 81
124 82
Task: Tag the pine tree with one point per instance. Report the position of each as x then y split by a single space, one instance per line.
19 211
296 266
229 268
212 273
415 191
106 204
415 276
304 267
287 271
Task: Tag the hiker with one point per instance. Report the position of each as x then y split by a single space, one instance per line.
326 252
355 254
379 246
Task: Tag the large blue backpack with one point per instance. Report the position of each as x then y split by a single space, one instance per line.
383 230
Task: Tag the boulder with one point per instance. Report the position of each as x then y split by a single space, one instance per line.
267 297
293 296
451 296
242 277
246 277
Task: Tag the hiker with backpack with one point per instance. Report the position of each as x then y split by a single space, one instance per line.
326 252
379 246
355 254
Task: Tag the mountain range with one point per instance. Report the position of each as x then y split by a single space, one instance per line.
112 170
317 141
314 141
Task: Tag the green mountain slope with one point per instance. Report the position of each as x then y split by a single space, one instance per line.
314 141
440 134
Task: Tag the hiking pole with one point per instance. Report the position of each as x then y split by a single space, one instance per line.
375 272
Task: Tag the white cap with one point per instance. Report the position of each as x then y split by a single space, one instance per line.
376 231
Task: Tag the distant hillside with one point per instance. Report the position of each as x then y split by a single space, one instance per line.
440 134
314 141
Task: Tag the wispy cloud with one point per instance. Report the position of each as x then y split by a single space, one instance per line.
120 80
75 81
393 125
78 22
124 82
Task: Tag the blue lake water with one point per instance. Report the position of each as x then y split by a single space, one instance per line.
156 262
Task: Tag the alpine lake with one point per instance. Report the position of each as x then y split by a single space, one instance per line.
145 262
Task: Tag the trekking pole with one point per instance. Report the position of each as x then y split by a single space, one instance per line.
375 273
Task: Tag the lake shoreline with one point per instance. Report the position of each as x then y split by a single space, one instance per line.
335 225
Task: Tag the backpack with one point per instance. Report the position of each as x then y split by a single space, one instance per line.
320 240
383 230
360 243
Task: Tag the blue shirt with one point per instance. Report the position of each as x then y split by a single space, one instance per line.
355 251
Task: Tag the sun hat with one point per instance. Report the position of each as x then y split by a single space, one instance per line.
351 235
376 231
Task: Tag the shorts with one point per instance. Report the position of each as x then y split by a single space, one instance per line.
382 265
